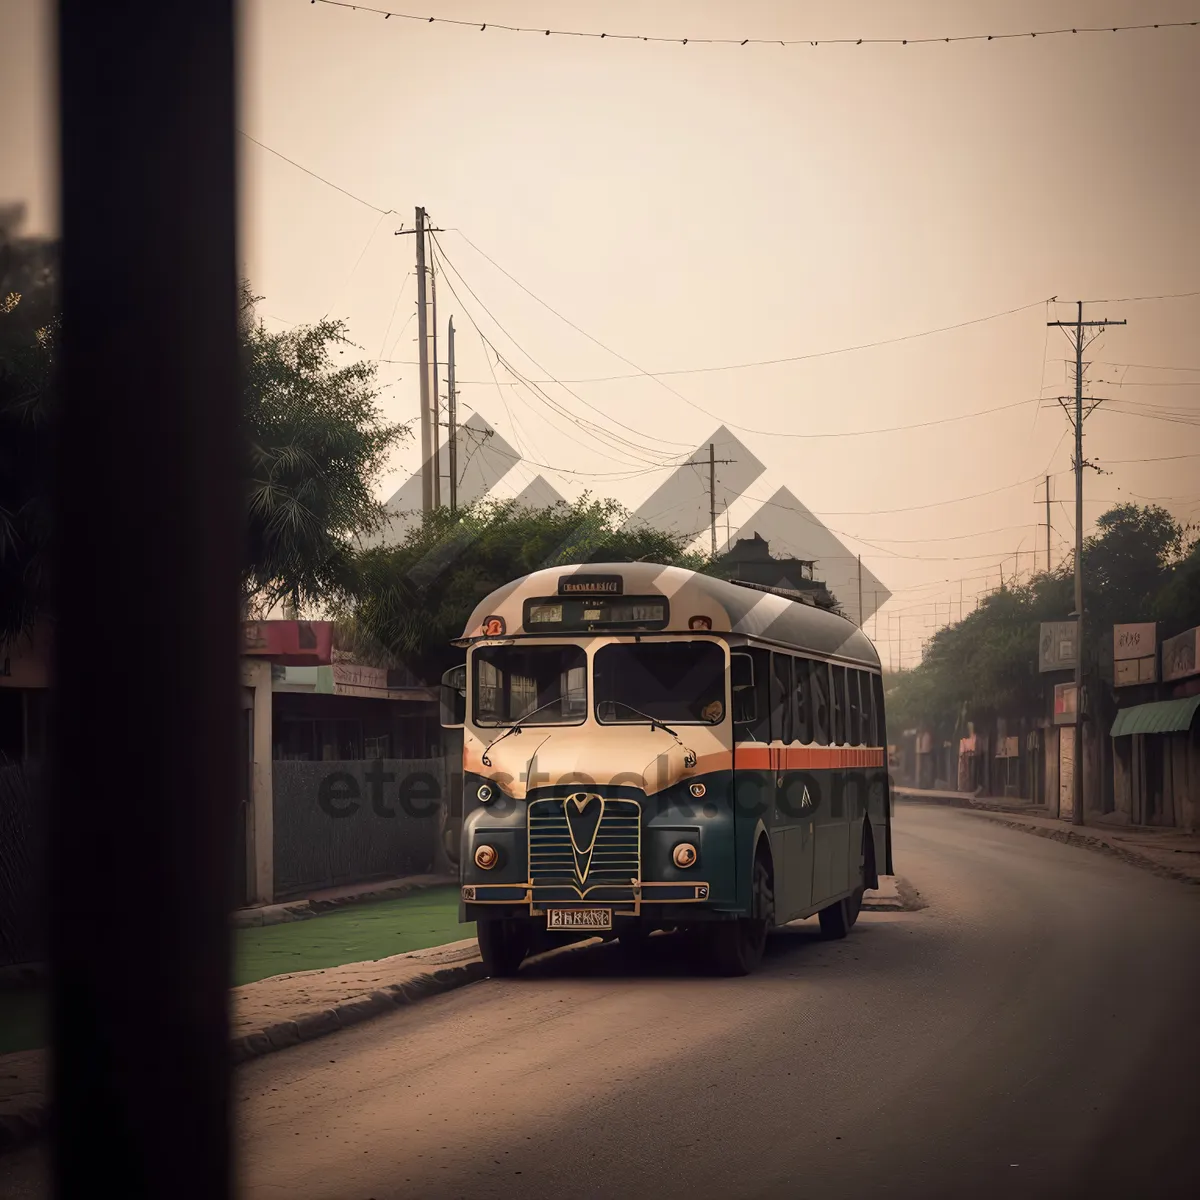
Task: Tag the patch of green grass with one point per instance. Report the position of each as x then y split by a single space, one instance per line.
357 933
361 933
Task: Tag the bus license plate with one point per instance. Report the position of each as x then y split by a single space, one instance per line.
579 918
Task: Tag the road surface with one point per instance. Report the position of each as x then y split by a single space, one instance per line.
1029 1033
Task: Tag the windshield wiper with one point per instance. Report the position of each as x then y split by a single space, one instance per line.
655 723
515 727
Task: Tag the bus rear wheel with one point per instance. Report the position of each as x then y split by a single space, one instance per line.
503 945
736 947
838 919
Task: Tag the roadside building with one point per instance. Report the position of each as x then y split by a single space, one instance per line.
1156 737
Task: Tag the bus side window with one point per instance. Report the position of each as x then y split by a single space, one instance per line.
805 726
781 698
854 722
819 681
880 714
839 706
869 737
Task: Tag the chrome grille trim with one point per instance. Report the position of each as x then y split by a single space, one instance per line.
615 860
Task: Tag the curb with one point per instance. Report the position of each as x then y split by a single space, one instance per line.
305 910
22 1128
1072 837
352 1012
26 1126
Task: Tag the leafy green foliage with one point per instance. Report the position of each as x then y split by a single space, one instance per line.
317 443
986 666
412 599
315 439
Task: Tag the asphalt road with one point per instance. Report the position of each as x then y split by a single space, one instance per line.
1032 1032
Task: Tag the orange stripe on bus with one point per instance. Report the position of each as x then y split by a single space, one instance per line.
807 758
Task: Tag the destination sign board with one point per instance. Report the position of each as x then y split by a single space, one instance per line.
591 585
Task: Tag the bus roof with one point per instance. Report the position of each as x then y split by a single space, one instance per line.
695 602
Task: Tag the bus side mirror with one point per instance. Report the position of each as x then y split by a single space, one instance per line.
454 698
741 679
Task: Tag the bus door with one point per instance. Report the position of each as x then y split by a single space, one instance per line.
795 810
831 841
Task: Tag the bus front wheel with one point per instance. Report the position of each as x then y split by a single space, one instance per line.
737 946
503 945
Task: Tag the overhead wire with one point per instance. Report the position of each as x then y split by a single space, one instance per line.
639 447
484 26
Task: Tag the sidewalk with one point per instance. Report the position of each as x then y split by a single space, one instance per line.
283 1010
1167 852
269 1015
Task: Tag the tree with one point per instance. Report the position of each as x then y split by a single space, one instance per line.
1135 569
315 440
29 333
1177 606
317 443
412 599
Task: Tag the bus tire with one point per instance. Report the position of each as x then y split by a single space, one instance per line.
838 919
503 945
736 947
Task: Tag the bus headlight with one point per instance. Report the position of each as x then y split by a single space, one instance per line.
484 793
485 857
685 855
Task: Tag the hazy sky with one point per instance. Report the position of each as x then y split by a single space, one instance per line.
698 206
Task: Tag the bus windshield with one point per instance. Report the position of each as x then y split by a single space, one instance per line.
547 683
677 682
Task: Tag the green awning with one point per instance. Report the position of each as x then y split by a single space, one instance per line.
1163 716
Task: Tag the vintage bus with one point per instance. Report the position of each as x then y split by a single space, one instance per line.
648 748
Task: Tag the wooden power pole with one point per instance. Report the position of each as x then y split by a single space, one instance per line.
1077 327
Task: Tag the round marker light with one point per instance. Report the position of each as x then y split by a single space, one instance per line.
485 857
685 855
697 790
484 793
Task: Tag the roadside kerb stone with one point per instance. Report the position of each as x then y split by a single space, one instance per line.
1145 857
274 1014
314 906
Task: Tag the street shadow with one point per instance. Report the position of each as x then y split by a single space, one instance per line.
676 956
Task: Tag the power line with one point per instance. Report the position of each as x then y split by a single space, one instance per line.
742 366
530 383
1139 299
484 26
328 182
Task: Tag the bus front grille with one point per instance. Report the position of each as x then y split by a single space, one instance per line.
614 856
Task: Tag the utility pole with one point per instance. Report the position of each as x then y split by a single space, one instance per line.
429 431
1078 325
430 434
900 641
960 598
1047 524
860 607
451 418
712 495
437 398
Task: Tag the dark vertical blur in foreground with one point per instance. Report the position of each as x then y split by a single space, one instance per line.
148 537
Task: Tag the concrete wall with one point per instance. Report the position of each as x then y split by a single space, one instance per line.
349 822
